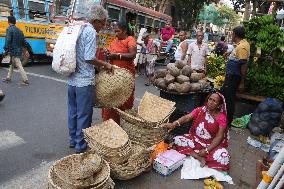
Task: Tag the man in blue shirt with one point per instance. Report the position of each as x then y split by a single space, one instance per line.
14 45
81 82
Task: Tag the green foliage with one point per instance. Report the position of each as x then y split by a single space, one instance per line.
266 75
215 66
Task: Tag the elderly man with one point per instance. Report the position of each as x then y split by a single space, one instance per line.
197 53
180 53
80 83
168 34
236 70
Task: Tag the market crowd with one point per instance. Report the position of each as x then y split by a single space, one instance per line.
207 139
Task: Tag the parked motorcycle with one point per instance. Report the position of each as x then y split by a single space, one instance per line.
169 57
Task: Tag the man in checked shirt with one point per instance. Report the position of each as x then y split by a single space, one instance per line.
14 44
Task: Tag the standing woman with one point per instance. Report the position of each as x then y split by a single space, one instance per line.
122 53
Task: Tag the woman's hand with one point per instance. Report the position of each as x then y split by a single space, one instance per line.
112 56
202 153
168 125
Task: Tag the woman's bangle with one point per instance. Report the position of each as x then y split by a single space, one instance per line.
177 122
119 56
206 150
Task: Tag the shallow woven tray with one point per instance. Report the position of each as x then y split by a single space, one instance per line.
154 108
113 90
108 134
139 162
99 180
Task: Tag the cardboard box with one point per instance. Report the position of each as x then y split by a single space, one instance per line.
168 162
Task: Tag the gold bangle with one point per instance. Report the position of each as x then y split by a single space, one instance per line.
206 150
177 122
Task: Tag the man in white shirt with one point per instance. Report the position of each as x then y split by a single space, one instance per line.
197 53
180 53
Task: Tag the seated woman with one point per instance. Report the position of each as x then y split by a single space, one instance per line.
208 137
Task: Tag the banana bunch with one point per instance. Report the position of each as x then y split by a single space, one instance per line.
219 81
212 184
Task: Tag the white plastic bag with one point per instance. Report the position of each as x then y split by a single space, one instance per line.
64 53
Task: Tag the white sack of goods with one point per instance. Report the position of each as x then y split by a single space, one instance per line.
182 78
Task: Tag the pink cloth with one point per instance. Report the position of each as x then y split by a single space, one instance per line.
167 33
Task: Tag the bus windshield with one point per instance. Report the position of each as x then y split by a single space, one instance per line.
62 8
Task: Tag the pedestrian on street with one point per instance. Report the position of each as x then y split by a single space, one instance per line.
80 84
152 53
180 53
122 52
221 47
14 45
198 52
236 70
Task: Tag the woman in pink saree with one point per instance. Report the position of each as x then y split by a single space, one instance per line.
207 139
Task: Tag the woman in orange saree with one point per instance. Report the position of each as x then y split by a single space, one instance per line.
122 52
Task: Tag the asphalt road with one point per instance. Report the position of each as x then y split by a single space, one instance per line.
33 134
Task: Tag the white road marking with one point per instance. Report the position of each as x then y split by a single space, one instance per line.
9 139
34 179
54 79
42 76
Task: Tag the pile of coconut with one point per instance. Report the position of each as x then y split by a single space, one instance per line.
178 77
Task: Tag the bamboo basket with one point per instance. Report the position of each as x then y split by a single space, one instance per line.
109 140
140 161
99 180
113 90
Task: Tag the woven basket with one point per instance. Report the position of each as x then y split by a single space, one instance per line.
139 162
99 180
153 108
77 169
148 136
109 140
113 90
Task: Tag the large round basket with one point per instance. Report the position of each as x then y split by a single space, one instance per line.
56 181
113 90
141 131
139 162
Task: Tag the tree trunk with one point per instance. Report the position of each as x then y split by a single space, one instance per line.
247 10
254 4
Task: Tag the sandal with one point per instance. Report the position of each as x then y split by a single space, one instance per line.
25 83
7 80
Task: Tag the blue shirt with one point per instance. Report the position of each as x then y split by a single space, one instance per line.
15 41
238 57
85 50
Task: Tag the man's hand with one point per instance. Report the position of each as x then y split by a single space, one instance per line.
109 68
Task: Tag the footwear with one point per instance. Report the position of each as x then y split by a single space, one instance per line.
7 80
25 83
71 145
147 84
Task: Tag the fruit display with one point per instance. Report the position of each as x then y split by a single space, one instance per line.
179 78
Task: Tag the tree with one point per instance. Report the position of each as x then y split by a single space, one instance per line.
229 16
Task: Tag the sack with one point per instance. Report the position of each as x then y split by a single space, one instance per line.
64 53
219 49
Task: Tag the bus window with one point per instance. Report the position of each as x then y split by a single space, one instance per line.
157 24
141 20
62 8
113 13
21 8
149 22
5 7
37 10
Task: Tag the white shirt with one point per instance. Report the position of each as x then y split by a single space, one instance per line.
197 55
178 53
